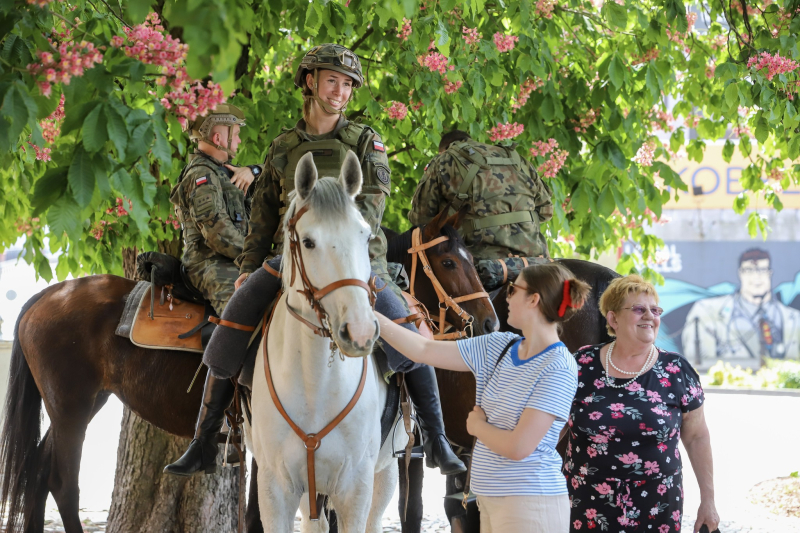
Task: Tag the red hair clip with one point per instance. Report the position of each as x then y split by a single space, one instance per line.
566 301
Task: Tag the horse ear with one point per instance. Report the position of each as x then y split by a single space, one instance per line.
351 177
305 177
458 217
434 227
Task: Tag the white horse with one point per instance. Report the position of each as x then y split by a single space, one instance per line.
352 469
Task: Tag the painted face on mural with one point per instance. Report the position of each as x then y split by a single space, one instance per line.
631 326
756 280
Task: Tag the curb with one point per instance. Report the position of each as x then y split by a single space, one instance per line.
756 392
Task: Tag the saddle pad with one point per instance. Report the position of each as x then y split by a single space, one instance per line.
161 331
132 300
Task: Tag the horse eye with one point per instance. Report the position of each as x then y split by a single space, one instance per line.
308 243
449 263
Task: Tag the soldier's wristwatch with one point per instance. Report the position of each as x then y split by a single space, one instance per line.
255 169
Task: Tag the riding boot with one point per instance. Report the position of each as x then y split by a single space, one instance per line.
202 452
424 393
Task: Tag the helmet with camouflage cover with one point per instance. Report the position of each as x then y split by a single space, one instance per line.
224 115
329 56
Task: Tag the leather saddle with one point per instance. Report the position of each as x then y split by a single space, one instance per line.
171 313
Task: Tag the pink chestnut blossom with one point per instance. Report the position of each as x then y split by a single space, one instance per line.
501 132
397 111
505 43
471 35
644 156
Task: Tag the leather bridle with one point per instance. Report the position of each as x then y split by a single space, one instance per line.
313 295
446 302
312 441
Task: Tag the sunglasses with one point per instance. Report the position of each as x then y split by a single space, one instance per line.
513 288
641 310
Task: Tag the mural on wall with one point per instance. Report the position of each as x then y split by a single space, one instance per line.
730 301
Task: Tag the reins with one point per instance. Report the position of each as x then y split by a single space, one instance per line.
446 302
312 441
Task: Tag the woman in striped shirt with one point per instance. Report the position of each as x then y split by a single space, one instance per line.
524 390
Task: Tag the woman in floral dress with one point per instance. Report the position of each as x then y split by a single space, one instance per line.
634 403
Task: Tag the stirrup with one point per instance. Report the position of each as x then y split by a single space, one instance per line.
416 453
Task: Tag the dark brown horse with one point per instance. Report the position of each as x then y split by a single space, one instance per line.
67 357
458 388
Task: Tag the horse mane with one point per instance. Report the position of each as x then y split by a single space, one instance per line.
397 248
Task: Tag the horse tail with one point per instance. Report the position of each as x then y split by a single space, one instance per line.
20 456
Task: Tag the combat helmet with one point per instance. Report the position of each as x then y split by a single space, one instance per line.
224 115
334 57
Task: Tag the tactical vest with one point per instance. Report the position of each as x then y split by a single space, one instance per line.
237 210
329 155
479 161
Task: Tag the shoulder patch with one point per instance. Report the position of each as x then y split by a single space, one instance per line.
384 175
426 167
378 146
201 181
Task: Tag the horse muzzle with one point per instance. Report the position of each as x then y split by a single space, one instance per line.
356 339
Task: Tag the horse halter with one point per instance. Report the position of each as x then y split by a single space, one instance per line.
446 302
313 295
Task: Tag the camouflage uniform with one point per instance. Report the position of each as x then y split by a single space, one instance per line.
507 199
214 215
270 198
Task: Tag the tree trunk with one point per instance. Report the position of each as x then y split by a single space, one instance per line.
147 500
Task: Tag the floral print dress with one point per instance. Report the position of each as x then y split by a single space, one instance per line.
622 464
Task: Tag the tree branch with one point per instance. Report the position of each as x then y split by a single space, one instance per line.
363 38
406 148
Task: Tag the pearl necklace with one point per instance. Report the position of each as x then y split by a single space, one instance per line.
650 357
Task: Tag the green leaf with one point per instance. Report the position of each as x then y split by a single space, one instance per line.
117 130
48 189
442 38
76 115
63 217
20 108
136 10
732 95
313 18
95 133
81 177
616 71
727 151
651 79
616 14
606 202
726 71
762 130
794 147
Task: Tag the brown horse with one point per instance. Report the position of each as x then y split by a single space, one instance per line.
458 388
67 357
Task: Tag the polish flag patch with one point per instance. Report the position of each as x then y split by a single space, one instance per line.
378 146
201 181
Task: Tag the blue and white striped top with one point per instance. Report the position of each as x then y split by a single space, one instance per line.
547 382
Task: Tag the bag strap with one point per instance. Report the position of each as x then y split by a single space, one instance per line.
497 363
475 440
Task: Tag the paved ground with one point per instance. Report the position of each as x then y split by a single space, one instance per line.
754 438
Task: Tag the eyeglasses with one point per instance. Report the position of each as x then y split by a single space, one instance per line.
752 270
513 288
641 310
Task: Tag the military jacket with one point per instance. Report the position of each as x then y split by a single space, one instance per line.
277 179
507 200
212 211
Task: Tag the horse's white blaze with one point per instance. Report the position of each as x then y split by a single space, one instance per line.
350 462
